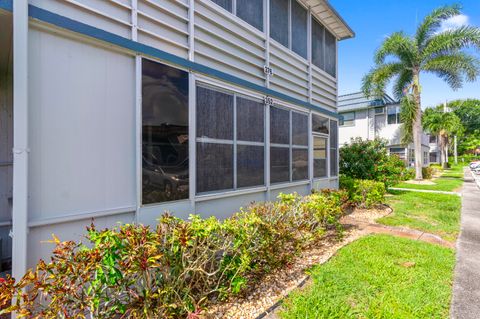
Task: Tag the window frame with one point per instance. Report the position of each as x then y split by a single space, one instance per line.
234 12
234 142
396 114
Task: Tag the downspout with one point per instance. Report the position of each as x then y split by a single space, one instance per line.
20 138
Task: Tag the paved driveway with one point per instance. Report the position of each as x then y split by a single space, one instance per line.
466 287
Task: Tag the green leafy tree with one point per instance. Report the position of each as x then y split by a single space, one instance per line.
405 58
469 113
445 125
364 159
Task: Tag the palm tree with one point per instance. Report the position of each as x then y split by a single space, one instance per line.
404 58
444 125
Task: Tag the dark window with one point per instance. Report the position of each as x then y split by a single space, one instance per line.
279 21
250 165
214 114
319 157
299 129
432 139
226 4
333 148
330 54
250 120
164 133
279 164
251 11
299 29
299 164
318 45
319 124
279 126
393 114
214 167
347 119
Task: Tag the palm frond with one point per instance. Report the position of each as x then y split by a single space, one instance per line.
403 81
397 45
374 82
454 68
432 22
451 41
408 111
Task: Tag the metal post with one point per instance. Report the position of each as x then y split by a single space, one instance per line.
20 137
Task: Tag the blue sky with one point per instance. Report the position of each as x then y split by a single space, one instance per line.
373 20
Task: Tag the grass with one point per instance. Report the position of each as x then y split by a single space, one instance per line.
434 213
450 180
378 276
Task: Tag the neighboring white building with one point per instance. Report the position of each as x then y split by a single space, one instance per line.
377 118
125 109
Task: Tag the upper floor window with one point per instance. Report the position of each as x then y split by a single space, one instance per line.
250 11
289 25
347 119
393 114
432 139
324 48
379 110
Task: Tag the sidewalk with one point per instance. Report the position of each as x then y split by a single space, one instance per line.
466 287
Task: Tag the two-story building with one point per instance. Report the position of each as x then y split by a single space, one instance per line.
120 110
371 118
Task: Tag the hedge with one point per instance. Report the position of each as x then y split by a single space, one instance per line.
363 193
179 267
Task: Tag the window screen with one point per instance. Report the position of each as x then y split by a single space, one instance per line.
214 167
319 157
299 164
164 133
299 129
393 114
250 120
319 124
318 36
330 54
250 165
279 126
251 11
214 114
333 148
299 29
279 21
279 164
226 4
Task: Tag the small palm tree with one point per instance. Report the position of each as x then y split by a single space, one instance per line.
444 125
404 58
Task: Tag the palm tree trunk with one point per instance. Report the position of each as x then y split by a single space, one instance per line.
441 146
417 129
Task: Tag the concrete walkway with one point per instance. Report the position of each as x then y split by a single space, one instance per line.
466 287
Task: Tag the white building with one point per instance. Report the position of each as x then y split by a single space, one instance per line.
119 110
377 118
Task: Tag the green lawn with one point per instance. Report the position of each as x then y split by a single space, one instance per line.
434 213
378 276
451 180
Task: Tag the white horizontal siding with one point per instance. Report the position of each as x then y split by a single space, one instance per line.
111 16
225 43
164 25
324 89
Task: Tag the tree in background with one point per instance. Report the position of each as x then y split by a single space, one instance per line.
469 113
443 124
404 58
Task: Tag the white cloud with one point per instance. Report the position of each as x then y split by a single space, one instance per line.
454 23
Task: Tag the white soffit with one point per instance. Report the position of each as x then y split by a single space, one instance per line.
326 14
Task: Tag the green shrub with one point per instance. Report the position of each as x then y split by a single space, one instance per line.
180 266
427 172
363 193
365 159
